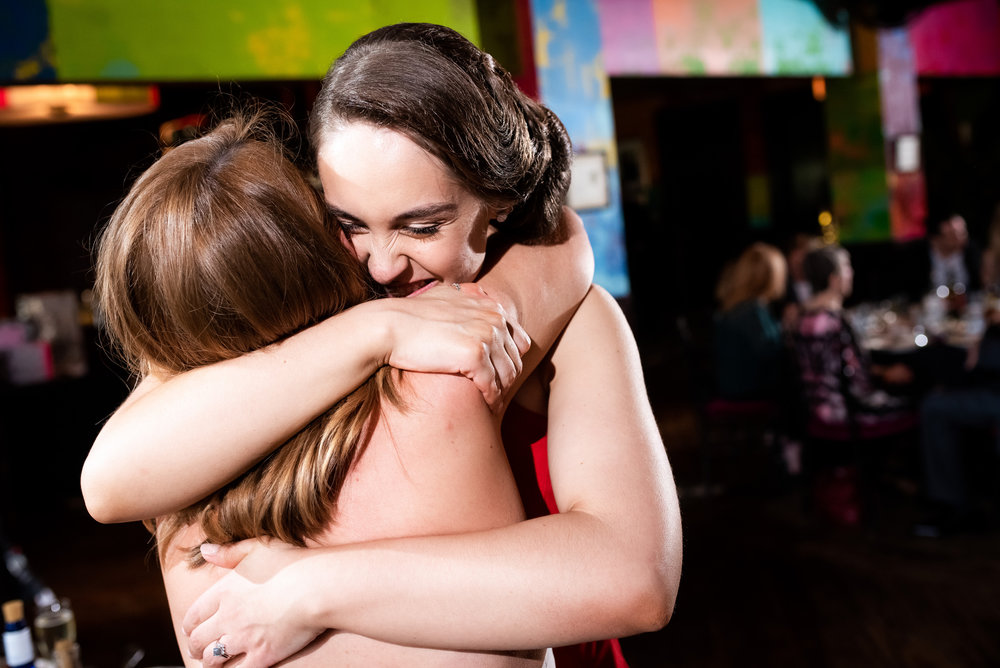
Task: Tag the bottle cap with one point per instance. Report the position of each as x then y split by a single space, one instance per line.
13 611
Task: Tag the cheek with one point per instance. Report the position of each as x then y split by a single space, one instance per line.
453 261
470 263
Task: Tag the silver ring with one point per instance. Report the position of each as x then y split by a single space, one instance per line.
219 650
457 286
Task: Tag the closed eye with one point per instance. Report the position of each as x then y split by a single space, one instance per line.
422 230
350 228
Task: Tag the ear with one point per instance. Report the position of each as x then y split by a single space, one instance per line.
836 282
500 215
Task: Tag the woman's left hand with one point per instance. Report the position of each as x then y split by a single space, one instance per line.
253 610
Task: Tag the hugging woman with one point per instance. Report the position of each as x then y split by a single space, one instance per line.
436 170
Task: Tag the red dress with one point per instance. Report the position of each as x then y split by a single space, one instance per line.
524 438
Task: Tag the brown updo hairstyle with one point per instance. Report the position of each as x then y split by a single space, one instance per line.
433 85
220 248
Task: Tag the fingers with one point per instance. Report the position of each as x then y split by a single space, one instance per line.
218 652
520 337
506 360
196 615
484 376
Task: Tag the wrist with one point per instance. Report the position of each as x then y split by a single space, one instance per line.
319 589
372 326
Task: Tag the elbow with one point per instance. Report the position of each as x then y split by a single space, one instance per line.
97 497
652 601
648 602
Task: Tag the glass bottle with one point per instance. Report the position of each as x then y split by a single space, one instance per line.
18 649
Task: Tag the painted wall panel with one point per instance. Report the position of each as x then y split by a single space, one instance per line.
799 40
572 82
629 37
697 37
958 38
227 39
721 37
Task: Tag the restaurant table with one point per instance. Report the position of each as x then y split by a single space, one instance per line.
931 337
893 326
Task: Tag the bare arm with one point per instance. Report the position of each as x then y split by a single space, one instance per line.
607 565
541 286
175 441
418 475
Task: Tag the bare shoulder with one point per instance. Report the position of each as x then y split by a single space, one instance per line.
440 394
599 319
597 352
571 220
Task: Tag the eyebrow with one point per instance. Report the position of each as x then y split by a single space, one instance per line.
419 212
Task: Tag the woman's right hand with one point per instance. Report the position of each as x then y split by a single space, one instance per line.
462 331
252 609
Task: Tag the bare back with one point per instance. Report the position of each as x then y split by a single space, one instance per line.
435 467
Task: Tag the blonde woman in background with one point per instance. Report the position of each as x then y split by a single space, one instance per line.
748 338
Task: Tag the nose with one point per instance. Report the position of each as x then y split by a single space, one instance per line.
385 263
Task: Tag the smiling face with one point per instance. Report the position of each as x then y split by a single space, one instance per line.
403 213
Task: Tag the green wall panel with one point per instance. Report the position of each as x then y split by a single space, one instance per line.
225 39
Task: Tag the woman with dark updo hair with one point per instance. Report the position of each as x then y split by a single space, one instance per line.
436 168
221 248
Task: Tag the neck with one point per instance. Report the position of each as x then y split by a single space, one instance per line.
828 300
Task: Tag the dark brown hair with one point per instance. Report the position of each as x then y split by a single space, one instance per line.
436 87
220 248
820 264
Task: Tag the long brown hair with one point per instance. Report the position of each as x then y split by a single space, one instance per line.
433 85
221 248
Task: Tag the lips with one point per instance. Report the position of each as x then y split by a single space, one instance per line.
409 289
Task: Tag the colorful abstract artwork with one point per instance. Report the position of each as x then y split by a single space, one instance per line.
721 37
958 39
194 40
573 83
901 128
857 159
26 52
797 39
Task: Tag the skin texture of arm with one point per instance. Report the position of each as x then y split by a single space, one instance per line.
608 565
175 440
419 475
540 288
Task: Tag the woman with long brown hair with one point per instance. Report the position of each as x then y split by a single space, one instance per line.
430 158
222 248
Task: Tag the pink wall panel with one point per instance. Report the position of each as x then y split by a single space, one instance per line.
958 38
629 37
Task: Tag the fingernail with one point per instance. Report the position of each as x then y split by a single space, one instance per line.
209 549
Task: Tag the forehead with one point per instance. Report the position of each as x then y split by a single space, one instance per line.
369 167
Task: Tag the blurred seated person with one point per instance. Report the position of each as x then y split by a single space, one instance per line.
990 268
947 415
836 376
799 291
947 258
748 339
